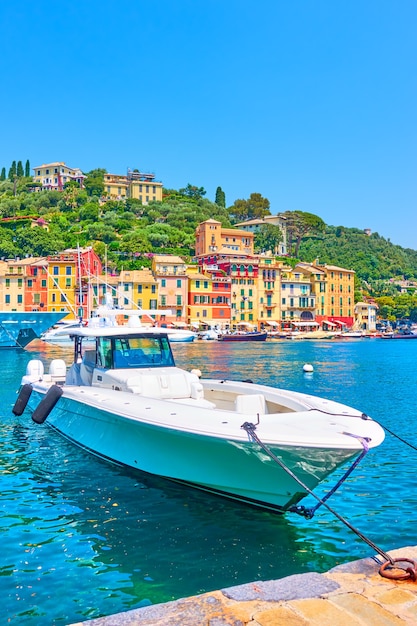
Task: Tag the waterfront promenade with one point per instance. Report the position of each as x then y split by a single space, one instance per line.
347 595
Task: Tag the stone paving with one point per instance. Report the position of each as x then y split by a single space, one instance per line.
354 594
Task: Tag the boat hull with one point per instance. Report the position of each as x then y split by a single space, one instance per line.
244 337
19 328
234 468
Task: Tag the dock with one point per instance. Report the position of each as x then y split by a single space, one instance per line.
353 594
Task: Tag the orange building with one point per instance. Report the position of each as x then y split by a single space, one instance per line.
212 239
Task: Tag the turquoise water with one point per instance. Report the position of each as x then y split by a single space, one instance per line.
82 538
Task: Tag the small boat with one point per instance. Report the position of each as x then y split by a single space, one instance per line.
351 334
208 335
247 336
60 333
403 334
180 335
19 328
127 402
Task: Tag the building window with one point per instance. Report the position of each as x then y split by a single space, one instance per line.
139 288
19 299
163 283
30 282
7 299
163 300
68 282
197 284
179 283
7 282
55 270
153 289
43 283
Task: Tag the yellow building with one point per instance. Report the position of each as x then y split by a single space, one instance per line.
72 275
213 240
12 279
340 294
62 282
23 284
334 289
135 184
269 292
55 175
138 289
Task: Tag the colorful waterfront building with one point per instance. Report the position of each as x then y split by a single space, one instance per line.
212 240
36 285
54 176
208 297
269 292
170 272
135 184
138 289
365 316
23 285
71 277
339 296
298 300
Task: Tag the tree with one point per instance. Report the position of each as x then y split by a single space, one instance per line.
19 170
268 238
27 169
94 183
12 171
38 242
256 207
220 197
299 225
191 191
70 194
89 212
3 173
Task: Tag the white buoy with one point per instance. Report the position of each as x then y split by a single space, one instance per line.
307 367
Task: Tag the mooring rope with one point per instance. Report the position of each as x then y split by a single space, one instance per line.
250 429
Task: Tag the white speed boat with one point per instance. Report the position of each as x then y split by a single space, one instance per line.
127 402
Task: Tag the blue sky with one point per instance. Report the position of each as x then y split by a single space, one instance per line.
311 103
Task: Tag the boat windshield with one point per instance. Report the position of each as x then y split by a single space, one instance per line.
133 352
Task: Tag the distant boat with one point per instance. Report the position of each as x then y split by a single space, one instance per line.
351 334
404 334
250 336
19 328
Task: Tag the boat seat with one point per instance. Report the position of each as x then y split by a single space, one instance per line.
250 404
170 383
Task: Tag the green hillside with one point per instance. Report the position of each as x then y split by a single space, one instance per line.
128 232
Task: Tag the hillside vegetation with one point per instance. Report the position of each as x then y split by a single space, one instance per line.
128 233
